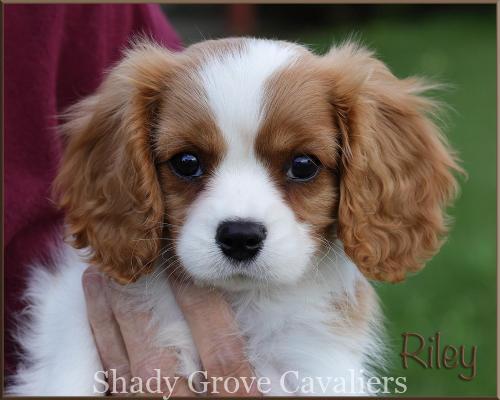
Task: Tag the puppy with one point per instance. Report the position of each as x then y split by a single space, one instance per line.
284 178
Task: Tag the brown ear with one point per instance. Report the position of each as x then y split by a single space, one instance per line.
396 170
107 183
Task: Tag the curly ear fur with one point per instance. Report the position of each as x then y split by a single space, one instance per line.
107 183
396 170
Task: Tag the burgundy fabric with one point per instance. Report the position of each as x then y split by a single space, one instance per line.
54 55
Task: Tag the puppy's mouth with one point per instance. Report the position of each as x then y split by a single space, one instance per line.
233 275
247 274
243 271
242 277
237 281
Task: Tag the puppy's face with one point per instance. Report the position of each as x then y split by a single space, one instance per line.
249 173
241 158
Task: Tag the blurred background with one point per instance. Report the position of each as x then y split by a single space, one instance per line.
456 293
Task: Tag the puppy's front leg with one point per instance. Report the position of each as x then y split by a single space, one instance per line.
59 356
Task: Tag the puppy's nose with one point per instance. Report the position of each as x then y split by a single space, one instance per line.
240 240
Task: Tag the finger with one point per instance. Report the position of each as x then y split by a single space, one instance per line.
146 358
106 331
219 342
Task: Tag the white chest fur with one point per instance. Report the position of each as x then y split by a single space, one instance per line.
316 329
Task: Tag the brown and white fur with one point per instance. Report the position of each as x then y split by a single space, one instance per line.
246 107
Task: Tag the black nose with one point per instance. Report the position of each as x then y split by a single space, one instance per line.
240 240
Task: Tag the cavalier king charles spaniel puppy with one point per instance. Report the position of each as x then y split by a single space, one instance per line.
286 179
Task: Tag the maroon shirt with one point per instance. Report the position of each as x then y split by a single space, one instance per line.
54 55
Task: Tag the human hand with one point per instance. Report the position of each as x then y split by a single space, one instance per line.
124 337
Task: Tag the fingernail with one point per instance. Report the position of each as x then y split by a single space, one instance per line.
92 282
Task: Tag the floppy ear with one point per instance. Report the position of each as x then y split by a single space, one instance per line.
396 171
107 183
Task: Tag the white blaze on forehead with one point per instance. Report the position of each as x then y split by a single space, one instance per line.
234 83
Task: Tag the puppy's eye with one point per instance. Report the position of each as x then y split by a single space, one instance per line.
303 168
186 165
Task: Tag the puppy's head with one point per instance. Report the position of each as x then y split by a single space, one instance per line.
244 158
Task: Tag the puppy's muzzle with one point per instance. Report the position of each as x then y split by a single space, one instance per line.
240 240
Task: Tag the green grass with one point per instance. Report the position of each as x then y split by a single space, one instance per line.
456 293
